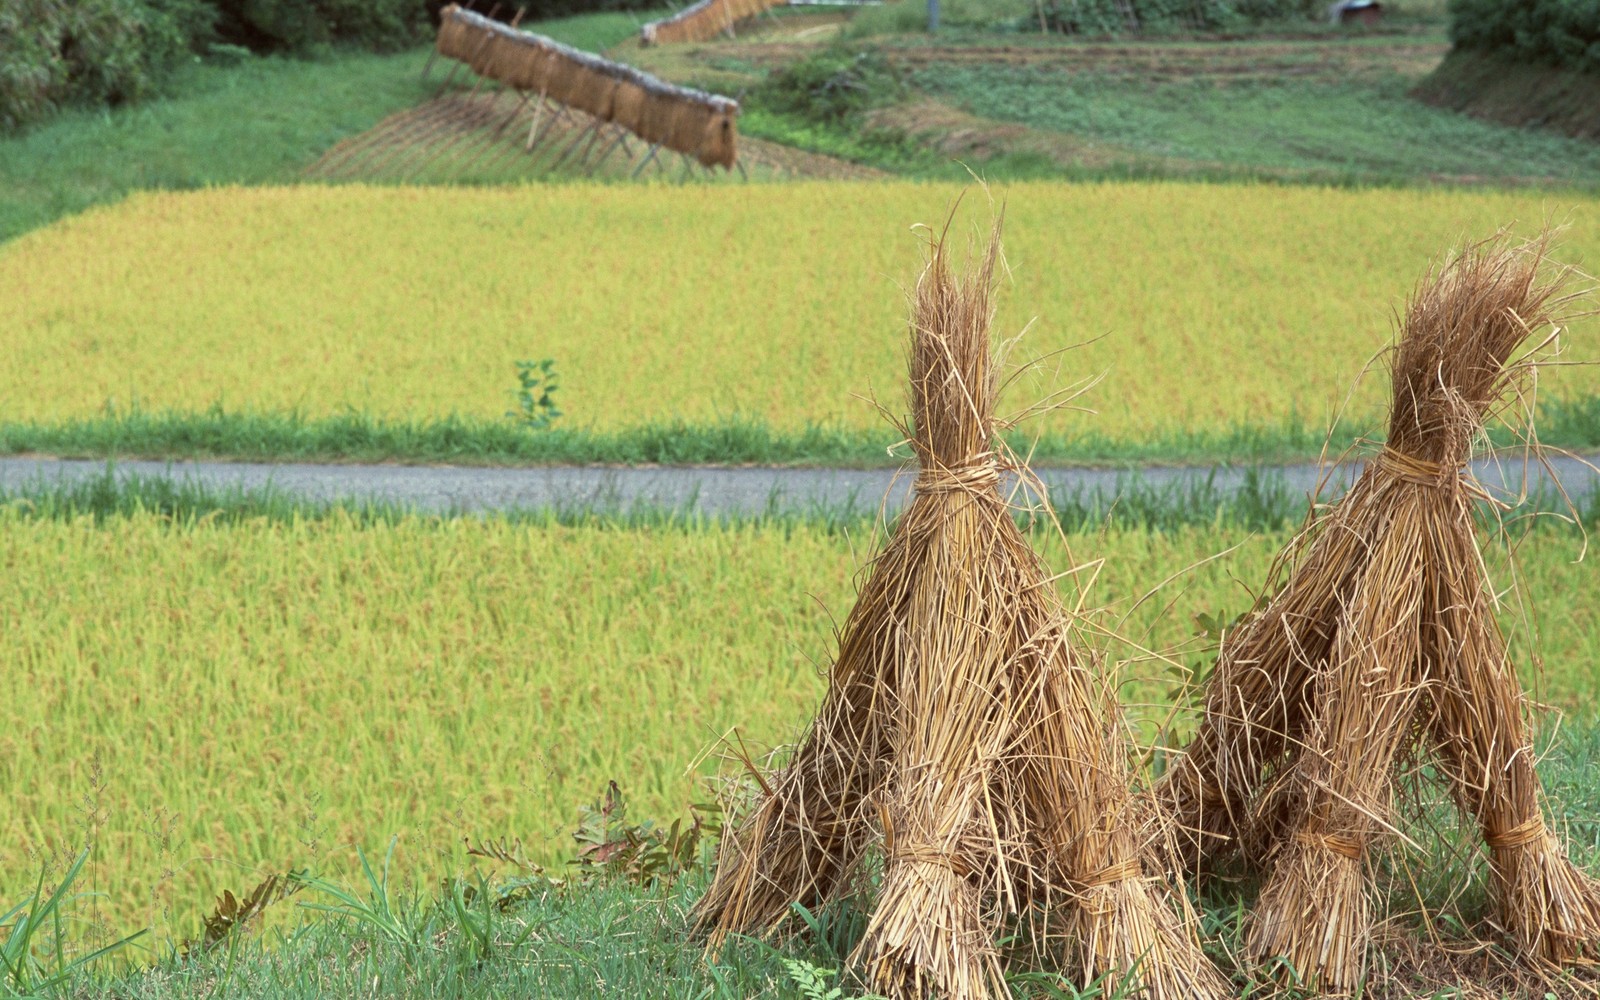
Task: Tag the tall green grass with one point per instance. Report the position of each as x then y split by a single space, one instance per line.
498 931
360 437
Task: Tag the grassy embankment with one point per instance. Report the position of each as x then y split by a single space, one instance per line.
1511 93
352 338
256 121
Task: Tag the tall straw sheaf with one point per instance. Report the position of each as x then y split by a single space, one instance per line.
1383 643
966 739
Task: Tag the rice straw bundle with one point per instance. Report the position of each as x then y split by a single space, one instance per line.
565 85
594 93
686 125
532 70
718 140
964 734
702 21
484 50
688 121
628 106
454 39
1383 640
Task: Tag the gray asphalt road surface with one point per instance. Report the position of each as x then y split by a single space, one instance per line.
713 491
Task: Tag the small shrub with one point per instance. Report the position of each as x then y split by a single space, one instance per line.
834 86
535 394
816 983
609 847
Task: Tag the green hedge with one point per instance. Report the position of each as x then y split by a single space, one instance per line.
1564 33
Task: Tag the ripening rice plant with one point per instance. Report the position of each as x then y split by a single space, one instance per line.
666 303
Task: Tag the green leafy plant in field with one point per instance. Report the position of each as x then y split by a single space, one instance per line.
535 394
609 847
816 983
233 913
34 943
400 921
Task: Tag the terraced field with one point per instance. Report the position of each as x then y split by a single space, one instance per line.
207 702
1204 306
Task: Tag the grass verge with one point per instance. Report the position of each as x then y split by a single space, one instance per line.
616 930
456 440
1262 501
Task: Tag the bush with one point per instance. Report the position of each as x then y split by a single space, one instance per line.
833 86
63 52
1564 33
304 26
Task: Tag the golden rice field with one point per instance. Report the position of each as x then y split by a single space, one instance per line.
1206 305
274 694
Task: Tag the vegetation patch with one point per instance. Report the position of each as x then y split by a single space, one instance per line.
406 649
1515 93
1357 131
1169 290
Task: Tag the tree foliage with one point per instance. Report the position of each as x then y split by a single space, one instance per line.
1564 33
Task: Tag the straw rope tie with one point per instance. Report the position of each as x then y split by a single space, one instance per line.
952 863
974 475
1413 469
1122 871
1345 847
1520 835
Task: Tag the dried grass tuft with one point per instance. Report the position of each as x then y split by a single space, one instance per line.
966 737
1382 643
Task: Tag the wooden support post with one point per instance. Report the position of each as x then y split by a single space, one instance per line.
498 131
537 111
622 134
581 136
646 161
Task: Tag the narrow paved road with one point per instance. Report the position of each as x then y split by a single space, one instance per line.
703 490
